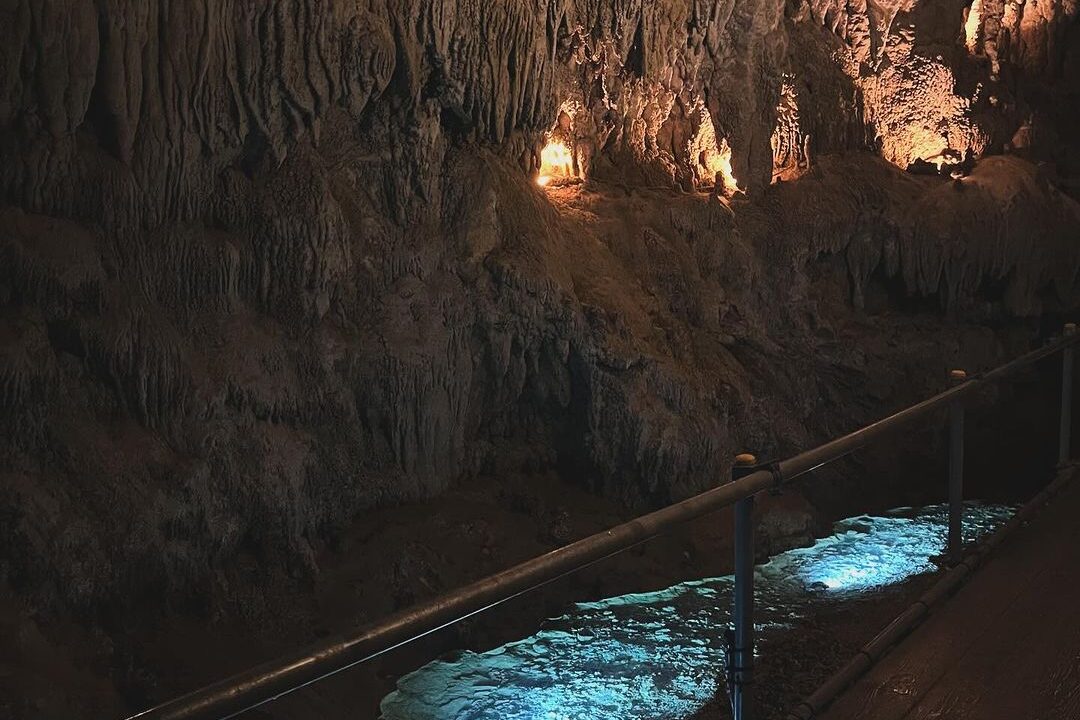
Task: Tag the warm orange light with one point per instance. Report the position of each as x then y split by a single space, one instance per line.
717 162
556 163
711 156
557 156
972 25
722 163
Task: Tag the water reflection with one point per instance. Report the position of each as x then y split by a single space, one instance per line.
656 656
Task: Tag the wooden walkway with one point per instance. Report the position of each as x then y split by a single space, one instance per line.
1006 646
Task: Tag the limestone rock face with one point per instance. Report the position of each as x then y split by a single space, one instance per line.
266 265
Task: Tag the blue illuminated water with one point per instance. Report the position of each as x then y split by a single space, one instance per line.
656 656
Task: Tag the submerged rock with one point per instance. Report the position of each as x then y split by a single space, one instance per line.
659 655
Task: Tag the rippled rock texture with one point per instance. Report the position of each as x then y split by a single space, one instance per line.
265 265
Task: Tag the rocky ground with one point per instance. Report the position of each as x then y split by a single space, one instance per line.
272 274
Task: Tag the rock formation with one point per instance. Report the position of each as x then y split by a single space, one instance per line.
268 265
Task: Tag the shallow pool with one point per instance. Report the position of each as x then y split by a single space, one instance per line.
658 655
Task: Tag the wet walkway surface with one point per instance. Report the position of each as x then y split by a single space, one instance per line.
1006 646
659 655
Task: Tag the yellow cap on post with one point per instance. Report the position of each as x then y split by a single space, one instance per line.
958 375
1070 328
745 459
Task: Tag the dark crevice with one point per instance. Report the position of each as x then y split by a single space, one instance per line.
100 121
886 293
635 59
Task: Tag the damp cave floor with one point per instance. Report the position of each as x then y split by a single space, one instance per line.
1007 645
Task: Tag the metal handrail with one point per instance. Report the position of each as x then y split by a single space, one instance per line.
269 681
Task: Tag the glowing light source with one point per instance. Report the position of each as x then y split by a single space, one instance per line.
556 163
720 164
712 155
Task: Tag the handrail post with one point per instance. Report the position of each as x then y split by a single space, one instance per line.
956 472
742 651
1065 429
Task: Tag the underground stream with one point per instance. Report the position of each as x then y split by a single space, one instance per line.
660 655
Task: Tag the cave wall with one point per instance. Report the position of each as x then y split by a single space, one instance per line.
265 265
245 246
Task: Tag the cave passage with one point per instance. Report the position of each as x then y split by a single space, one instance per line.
660 655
